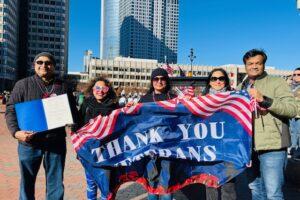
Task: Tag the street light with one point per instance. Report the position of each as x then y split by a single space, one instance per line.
192 57
298 4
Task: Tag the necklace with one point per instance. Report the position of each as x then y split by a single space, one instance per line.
45 92
154 100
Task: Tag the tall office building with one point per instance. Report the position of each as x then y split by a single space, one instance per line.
8 42
139 29
28 27
43 27
149 29
109 33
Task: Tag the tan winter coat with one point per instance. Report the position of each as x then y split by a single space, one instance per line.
271 131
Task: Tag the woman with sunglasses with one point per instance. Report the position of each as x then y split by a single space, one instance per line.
102 101
218 81
159 88
159 91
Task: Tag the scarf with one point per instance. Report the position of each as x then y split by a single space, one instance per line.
213 91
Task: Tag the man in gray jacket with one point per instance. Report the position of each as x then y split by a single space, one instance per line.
48 147
271 131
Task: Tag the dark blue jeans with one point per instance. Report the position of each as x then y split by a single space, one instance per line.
30 158
91 187
295 132
268 181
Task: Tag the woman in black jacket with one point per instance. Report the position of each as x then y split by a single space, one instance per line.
102 101
159 91
218 81
159 88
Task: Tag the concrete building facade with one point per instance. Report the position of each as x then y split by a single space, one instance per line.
130 72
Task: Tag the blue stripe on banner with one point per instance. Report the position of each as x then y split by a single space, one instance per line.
31 116
169 144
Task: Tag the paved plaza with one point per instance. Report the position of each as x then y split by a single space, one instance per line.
74 177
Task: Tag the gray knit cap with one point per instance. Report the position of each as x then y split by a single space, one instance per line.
46 54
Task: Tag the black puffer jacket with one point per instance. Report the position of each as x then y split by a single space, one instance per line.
91 108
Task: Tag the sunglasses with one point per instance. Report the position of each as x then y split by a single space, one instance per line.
296 74
40 62
221 78
159 79
101 89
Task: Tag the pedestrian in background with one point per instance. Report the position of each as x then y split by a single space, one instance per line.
122 100
80 98
129 98
295 122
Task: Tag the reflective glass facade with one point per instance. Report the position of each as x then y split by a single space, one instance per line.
47 30
28 27
8 42
149 29
109 36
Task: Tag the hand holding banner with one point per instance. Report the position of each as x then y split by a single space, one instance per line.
169 144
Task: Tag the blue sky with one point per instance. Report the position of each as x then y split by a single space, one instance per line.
220 31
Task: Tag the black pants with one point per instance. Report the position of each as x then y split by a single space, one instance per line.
226 192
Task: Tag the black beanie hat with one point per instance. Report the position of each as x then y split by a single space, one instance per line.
159 72
46 54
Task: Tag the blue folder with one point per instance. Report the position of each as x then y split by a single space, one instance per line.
34 115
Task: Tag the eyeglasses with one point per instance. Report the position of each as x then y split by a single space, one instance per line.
221 78
101 89
40 62
296 74
156 79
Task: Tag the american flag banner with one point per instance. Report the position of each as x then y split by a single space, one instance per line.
169 69
188 90
185 90
167 145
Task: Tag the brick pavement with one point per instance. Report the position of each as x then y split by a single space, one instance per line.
74 180
74 177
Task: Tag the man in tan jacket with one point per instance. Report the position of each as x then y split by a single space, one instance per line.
271 132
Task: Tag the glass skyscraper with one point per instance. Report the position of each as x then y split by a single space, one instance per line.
8 42
109 36
45 24
28 27
145 29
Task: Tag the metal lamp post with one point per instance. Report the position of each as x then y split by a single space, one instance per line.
192 57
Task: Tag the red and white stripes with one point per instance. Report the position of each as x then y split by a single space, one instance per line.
233 103
236 105
100 126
